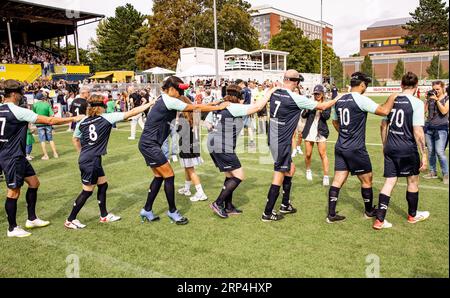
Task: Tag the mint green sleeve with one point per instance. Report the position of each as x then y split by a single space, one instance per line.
114 117
23 114
77 132
303 102
174 103
418 112
366 104
238 110
334 114
209 118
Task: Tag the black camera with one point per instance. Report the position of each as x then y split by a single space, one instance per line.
431 93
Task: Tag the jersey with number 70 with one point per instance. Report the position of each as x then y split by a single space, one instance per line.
285 107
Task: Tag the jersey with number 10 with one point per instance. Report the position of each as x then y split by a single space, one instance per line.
408 111
94 133
285 108
351 113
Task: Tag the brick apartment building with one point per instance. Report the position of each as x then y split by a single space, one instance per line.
267 21
382 41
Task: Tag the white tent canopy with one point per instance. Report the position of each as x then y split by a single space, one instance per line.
159 71
236 52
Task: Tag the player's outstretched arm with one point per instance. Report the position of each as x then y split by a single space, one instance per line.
138 110
57 121
326 105
419 135
383 131
206 108
385 109
259 105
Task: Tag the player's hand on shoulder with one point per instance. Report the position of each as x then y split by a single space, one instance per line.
79 118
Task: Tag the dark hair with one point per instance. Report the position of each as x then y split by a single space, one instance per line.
410 79
358 78
234 94
440 83
174 82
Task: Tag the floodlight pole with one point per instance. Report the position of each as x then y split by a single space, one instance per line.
321 42
8 26
216 52
75 37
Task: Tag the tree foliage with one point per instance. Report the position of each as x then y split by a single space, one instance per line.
428 30
187 23
399 70
304 54
436 70
115 46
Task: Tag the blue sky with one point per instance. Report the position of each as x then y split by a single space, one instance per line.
347 16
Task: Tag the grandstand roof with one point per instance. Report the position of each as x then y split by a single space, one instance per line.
39 21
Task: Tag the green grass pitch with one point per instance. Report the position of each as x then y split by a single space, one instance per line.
302 245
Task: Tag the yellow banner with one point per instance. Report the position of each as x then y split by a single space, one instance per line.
20 72
71 69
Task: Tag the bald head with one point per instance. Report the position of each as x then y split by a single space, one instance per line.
292 74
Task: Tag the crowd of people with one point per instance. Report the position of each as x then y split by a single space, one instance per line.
30 54
280 110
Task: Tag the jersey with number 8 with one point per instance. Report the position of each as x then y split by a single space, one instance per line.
94 133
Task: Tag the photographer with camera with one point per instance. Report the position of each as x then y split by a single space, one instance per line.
437 129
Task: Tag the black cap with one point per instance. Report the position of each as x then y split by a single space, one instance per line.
319 89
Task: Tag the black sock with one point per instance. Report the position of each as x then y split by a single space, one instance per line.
287 183
367 194
229 186
333 195
11 211
272 197
383 205
79 203
101 197
153 190
169 189
31 198
413 202
229 199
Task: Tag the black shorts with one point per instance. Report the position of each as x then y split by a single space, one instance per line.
401 166
91 170
357 162
226 162
153 155
262 113
16 170
282 157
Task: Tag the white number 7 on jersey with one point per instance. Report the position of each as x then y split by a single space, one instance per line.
2 125
278 104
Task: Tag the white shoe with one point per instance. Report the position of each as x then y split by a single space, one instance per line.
378 225
299 150
37 223
309 175
29 158
69 130
18 232
420 216
326 181
198 197
74 224
294 154
131 138
184 191
44 158
110 218
174 158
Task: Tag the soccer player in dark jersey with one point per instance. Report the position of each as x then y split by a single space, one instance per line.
224 128
13 133
156 131
285 108
349 119
92 133
79 107
401 133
